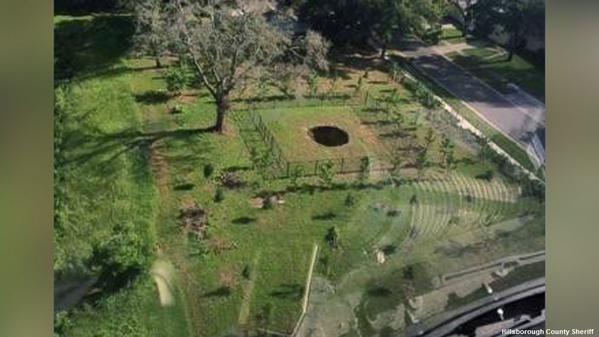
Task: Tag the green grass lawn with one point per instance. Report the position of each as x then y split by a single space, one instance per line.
291 130
509 146
133 162
110 191
491 66
452 35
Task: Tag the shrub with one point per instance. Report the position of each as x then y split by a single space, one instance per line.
332 237
433 35
350 200
413 199
219 195
176 79
247 272
208 170
487 175
364 169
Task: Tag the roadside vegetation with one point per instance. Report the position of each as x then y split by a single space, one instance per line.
159 158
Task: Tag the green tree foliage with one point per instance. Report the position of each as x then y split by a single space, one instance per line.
247 272
350 200
462 10
355 21
332 237
228 45
177 78
86 6
422 161
219 195
208 170
447 153
517 18
151 38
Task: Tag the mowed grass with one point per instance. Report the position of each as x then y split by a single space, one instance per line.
136 160
509 146
452 35
491 65
291 130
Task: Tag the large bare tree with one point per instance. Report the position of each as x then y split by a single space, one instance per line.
228 45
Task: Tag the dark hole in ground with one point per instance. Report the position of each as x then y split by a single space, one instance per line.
329 135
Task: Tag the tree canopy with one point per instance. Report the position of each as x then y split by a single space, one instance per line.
517 18
230 44
355 21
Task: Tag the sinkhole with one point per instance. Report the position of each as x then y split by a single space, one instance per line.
329 135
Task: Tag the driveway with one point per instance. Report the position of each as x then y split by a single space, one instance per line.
515 114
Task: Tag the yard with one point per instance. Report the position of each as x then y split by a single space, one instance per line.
490 64
138 163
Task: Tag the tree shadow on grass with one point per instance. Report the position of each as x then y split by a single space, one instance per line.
288 291
153 97
184 187
244 220
219 292
379 291
325 216
100 150
90 46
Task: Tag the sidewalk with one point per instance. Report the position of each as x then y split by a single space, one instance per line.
517 115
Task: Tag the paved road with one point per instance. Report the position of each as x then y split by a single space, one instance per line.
515 113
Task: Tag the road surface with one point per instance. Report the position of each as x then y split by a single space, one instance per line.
515 114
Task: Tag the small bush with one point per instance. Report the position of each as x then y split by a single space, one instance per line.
413 199
350 200
393 213
487 175
364 170
208 170
177 79
332 237
219 195
247 272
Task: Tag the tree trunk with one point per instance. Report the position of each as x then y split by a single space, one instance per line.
158 63
222 105
384 51
510 55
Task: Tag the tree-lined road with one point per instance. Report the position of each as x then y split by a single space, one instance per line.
515 114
